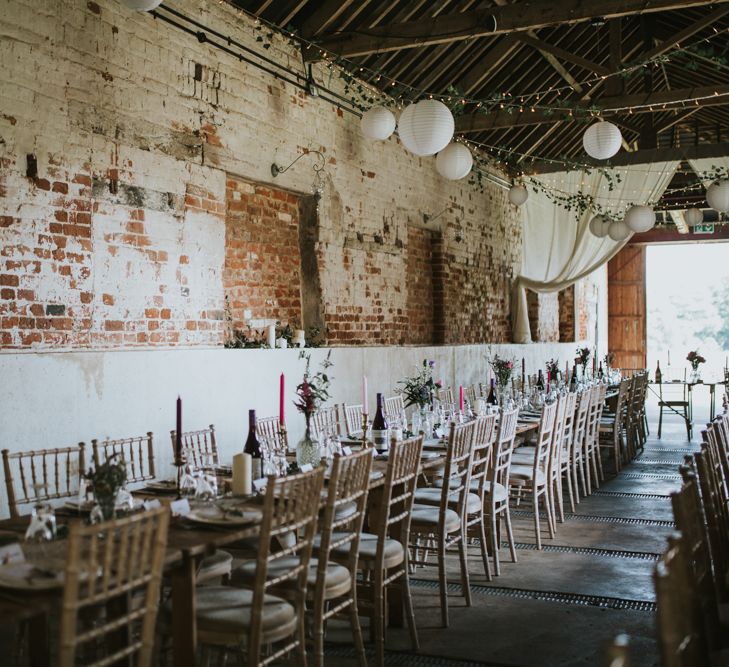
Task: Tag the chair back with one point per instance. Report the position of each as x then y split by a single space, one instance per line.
394 407
198 447
483 443
568 428
680 631
472 393
112 561
325 423
344 513
44 474
290 506
580 427
594 414
276 437
398 494
555 453
543 446
445 395
504 448
457 472
621 402
137 453
353 419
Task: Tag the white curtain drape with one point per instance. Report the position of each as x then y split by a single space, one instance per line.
707 164
559 248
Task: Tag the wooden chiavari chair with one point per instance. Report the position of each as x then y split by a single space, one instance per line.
332 579
107 563
482 463
394 407
251 619
676 405
136 452
563 436
593 461
325 423
497 489
276 437
353 417
472 393
42 475
198 447
445 395
445 523
383 556
577 455
534 479
611 427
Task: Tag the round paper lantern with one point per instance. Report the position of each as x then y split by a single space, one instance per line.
602 140
378 123
618 231
717 195
142 5
599 225
454 162
426 127
640 219
694 216
518 194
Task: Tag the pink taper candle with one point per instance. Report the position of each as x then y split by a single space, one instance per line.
364 396
281 419
460 398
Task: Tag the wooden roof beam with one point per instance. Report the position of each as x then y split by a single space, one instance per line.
649 156
517 17
562 54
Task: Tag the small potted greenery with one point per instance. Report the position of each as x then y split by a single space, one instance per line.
105 481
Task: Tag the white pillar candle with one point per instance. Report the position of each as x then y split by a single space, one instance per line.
299 338
242 482
272 336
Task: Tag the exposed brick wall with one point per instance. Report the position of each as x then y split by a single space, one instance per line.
419 284
567 315
118 239
262 261
543 316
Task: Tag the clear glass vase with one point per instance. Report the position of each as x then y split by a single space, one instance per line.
307 450
695 375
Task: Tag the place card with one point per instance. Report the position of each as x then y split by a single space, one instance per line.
306 467
346 451
180 507
152 504
260 484
11 553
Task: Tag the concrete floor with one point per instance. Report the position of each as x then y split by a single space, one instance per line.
558 606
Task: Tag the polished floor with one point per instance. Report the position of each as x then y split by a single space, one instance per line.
561 605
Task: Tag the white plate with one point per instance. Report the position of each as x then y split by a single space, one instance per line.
22 576
216 517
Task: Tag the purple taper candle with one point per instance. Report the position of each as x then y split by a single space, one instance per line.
178 432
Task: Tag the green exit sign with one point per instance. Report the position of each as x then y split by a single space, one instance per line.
704 228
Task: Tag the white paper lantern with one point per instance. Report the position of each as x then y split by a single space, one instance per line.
599 225
694 216
378 123
717 195
640 219
426 127
518 194
142 5
618 231
454 162
602 140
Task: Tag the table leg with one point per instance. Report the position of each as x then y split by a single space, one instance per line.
184 625
712 409
39 649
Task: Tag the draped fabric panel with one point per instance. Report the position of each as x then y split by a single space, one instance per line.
707 164
559 248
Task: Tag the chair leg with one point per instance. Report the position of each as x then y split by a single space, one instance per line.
510 534
535 504
301 648
560 497
570 491
484 549
378 620
357 631
465 580
574 469
443 580
495 543
550 513
660 421
409 612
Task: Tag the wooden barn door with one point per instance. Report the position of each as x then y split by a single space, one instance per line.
626 307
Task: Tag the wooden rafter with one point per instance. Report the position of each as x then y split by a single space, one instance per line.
562 54
517 17
324 15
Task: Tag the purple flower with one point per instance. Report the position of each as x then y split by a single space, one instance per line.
431 363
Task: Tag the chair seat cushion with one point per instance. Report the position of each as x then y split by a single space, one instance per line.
432 495
499 490
215 566
337 579
226 611
367 552
425 519
525 473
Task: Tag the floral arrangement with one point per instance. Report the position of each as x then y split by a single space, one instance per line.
583 356
553 369
694 358
502 369
419 389
609 359
108 477
314 389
